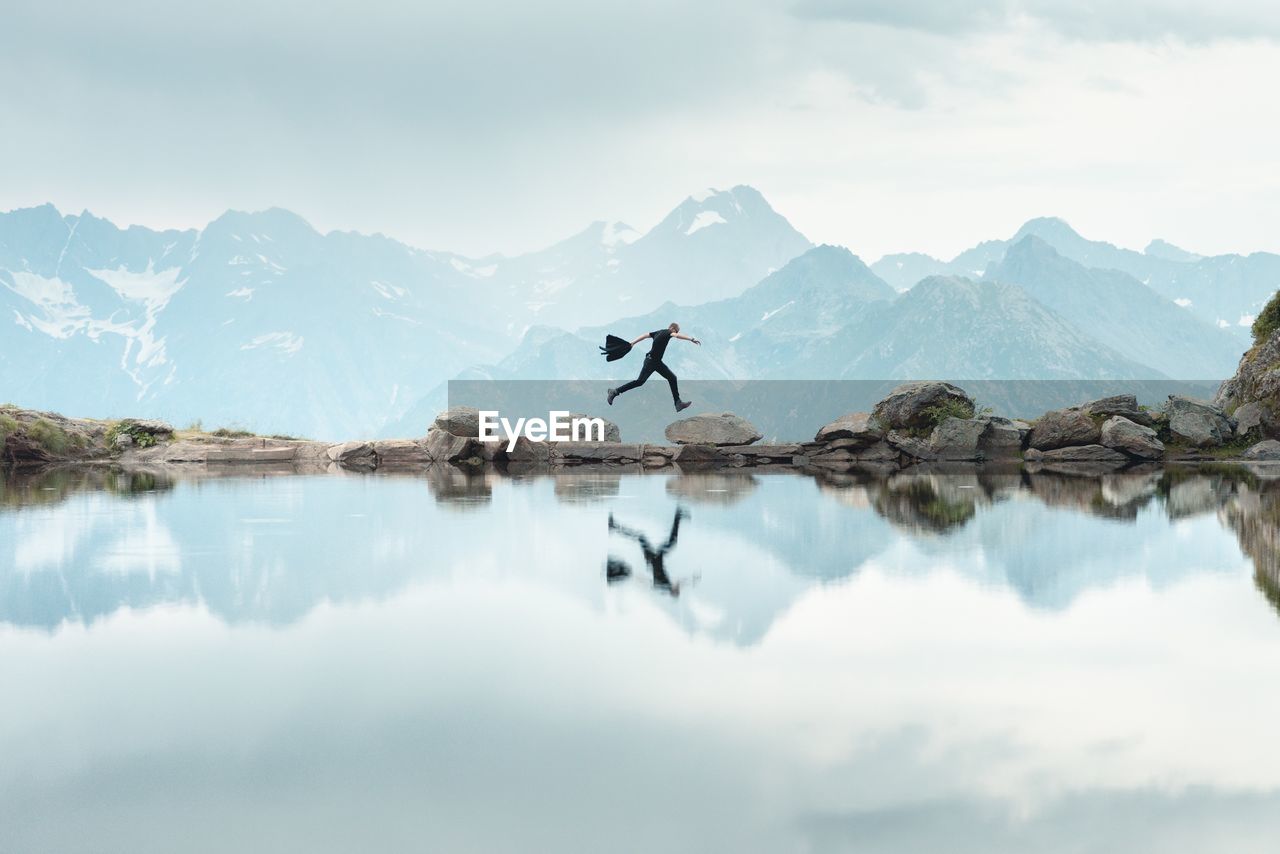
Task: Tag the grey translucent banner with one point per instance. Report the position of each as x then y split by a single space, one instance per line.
786 410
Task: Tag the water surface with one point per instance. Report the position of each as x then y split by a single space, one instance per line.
445 662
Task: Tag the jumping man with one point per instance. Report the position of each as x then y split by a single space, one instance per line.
653 363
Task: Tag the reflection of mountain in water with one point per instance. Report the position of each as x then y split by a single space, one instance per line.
86 543
81 553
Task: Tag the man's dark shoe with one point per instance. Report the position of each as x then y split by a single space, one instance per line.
683 405
613 392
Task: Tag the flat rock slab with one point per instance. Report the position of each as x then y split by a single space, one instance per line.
723 429
597 452
401 452
772 452
1084 454
855 429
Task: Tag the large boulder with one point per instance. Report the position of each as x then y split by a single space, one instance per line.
445 447
1197 423
723 429
1266 450
611 431
921 405
1124 405
459 421
1002 440
1255 418
1062 428
1135 440
855 430
985 438
957 439
160 430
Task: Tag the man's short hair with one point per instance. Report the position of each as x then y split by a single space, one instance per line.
675 327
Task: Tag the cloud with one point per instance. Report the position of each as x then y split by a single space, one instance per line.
1086 20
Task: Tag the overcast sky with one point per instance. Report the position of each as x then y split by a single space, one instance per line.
882 125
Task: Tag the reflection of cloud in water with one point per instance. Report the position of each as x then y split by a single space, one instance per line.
272 549
144 546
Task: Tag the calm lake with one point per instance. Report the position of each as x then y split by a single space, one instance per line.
639 663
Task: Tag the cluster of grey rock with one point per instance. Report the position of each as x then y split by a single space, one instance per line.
912 425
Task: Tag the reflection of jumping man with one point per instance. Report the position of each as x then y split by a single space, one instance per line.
655 558
653 364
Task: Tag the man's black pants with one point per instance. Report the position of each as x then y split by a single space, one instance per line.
652 366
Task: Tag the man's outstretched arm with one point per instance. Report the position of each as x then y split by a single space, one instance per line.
687 338
638 340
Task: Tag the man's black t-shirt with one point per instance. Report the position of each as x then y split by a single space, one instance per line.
661 339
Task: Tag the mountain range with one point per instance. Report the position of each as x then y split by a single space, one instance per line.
258 320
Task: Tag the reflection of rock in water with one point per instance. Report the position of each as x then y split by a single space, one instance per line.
585 487
1111 496
1254 515
926 503
712 487
1193 492
459 488
26 487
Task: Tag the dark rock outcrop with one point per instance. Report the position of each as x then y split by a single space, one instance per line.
916 405
1257 381
27 436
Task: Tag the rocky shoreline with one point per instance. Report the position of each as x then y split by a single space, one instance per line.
917 423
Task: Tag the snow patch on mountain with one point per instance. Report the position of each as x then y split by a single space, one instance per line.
152 287
286 342
63 314
386 290
705 219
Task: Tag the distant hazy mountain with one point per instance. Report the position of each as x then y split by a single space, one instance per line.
1224 290
1120 312
712 246
948 327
